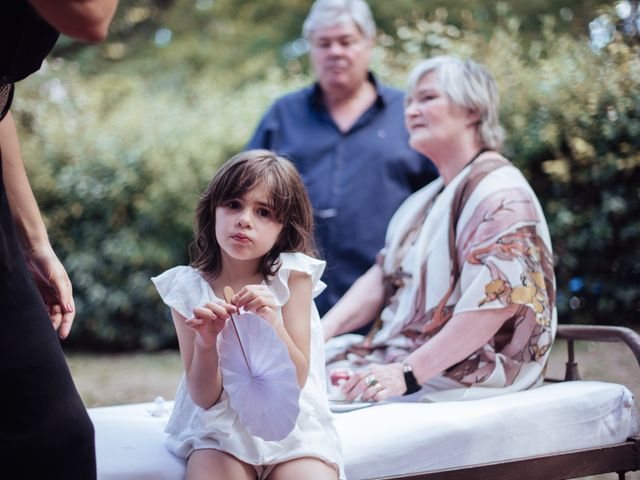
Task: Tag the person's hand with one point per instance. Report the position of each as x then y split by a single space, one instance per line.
258 299
55 287
208 321
375 383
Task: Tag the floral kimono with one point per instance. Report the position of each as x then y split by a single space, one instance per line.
480 243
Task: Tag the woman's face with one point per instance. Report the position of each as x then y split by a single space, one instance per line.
432 120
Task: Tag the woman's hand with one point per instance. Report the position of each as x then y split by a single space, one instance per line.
55 287
208 321
376 383
258 299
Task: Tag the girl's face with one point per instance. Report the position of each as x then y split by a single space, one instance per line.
246 227
432 120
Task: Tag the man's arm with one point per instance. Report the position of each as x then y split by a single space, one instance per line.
85 20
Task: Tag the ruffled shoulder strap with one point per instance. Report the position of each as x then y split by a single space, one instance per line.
183 288
298 262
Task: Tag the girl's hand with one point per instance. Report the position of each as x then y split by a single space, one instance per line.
375 383
208 321
258 299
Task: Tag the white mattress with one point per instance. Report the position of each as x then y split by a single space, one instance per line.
403 438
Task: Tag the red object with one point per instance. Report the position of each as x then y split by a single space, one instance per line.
339 374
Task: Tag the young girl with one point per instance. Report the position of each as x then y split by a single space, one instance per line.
253 233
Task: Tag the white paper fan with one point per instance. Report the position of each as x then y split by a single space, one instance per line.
264 389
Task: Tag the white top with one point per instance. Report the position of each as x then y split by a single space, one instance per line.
191 427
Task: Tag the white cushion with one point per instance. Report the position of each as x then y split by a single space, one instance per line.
404 438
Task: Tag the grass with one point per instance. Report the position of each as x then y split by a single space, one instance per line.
131 378
113 379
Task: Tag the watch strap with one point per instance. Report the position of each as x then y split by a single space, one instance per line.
410 380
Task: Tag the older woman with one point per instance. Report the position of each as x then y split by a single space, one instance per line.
464 288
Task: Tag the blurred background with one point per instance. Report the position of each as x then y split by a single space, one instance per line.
120 138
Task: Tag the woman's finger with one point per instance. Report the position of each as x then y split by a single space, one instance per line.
55 313
64 291
66 323
372 387
381 393
354 386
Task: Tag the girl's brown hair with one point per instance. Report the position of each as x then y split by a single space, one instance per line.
288 199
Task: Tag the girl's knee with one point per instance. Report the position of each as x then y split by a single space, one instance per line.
309 468
210 464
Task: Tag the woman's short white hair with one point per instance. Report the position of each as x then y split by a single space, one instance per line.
327 13
468 85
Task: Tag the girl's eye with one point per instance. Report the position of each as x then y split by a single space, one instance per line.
233 204
264 212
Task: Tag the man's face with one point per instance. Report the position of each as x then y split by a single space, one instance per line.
340 56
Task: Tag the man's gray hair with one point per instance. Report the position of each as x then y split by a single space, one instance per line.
468 85
327 13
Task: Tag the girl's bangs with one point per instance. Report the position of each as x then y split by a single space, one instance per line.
251 176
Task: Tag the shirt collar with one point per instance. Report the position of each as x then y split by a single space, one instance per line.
316 100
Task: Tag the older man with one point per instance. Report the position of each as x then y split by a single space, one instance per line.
346 135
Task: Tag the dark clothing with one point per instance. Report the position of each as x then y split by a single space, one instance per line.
356 180
25 39
45 431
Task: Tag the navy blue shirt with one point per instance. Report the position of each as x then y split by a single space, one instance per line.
356 179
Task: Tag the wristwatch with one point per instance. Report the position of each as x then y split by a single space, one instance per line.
410 379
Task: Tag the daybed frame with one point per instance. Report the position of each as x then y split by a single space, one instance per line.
620 458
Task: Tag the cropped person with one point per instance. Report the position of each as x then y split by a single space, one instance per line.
465 284
45 431
345 135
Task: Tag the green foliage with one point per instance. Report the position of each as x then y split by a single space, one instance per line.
224 34
117 160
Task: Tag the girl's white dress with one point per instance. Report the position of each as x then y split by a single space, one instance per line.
190 427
